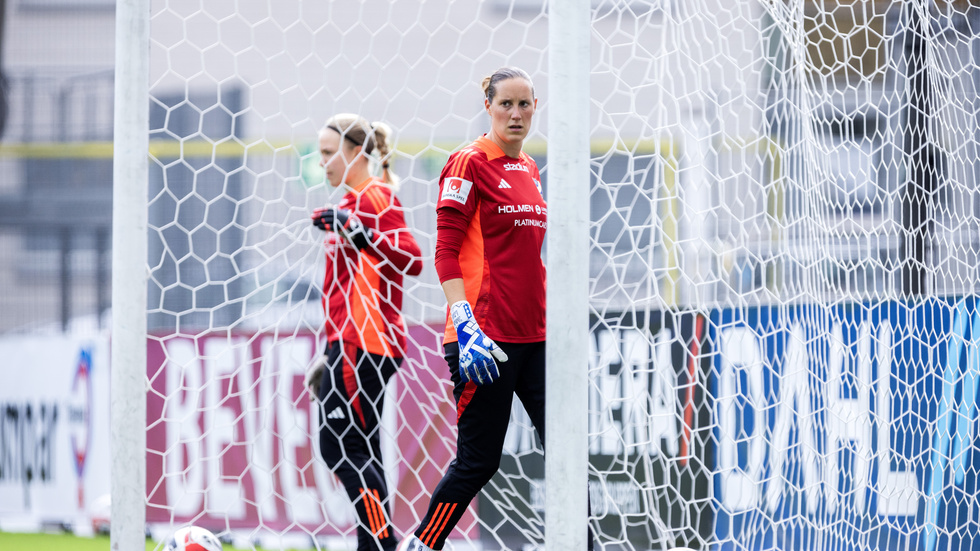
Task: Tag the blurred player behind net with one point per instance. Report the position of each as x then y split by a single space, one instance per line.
369 250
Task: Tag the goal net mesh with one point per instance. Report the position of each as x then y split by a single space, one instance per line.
783 263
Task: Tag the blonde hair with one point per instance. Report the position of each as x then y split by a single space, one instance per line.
372 136
489 83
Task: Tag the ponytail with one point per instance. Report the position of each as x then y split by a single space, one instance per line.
384 153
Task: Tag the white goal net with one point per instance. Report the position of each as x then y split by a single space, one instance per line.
783 265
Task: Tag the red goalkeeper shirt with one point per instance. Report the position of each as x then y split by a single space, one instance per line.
499 199
363 289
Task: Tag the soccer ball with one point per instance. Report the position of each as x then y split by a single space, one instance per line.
193 538
101 512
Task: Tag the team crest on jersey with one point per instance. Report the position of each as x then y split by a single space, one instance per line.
456 189
537 184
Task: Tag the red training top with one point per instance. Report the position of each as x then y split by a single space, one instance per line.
491 224
362 295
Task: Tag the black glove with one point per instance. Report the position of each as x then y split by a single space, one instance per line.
345 223
323 218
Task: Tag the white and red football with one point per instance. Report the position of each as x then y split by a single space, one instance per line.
193 538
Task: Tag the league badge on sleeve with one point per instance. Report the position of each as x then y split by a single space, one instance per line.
456 189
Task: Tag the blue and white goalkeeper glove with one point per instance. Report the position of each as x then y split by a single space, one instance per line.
476 350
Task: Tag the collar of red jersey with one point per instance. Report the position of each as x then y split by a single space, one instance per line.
493 150
360 187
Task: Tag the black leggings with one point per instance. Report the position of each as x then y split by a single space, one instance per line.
482 417
351 402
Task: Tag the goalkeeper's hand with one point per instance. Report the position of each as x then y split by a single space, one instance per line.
345 223
476 350
314 375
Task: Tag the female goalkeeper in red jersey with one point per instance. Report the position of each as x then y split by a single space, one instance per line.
369 251
491 222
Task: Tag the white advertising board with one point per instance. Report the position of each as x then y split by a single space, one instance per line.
54 430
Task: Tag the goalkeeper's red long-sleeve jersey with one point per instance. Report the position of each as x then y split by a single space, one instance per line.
362 289
491 223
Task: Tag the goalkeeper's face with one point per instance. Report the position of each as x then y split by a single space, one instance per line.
336 156
511 111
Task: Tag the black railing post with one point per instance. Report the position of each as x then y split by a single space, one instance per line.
64 237
920 179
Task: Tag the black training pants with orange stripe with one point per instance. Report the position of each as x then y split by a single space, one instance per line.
482 416
351 402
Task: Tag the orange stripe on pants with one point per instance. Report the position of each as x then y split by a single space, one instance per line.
438 523
371 513
381 514
350 380
375 513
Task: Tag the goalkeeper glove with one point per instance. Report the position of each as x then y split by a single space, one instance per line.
314 375
476 350
345 223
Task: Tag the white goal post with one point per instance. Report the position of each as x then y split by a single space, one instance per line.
566 464
129 275
762 250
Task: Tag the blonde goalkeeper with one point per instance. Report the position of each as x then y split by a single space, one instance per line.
369 251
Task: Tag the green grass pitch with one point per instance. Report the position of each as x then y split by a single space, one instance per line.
16 541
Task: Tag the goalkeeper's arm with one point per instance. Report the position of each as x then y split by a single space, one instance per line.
476 350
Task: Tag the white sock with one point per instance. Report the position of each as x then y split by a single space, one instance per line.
412 543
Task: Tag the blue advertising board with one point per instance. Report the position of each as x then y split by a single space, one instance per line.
846 426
